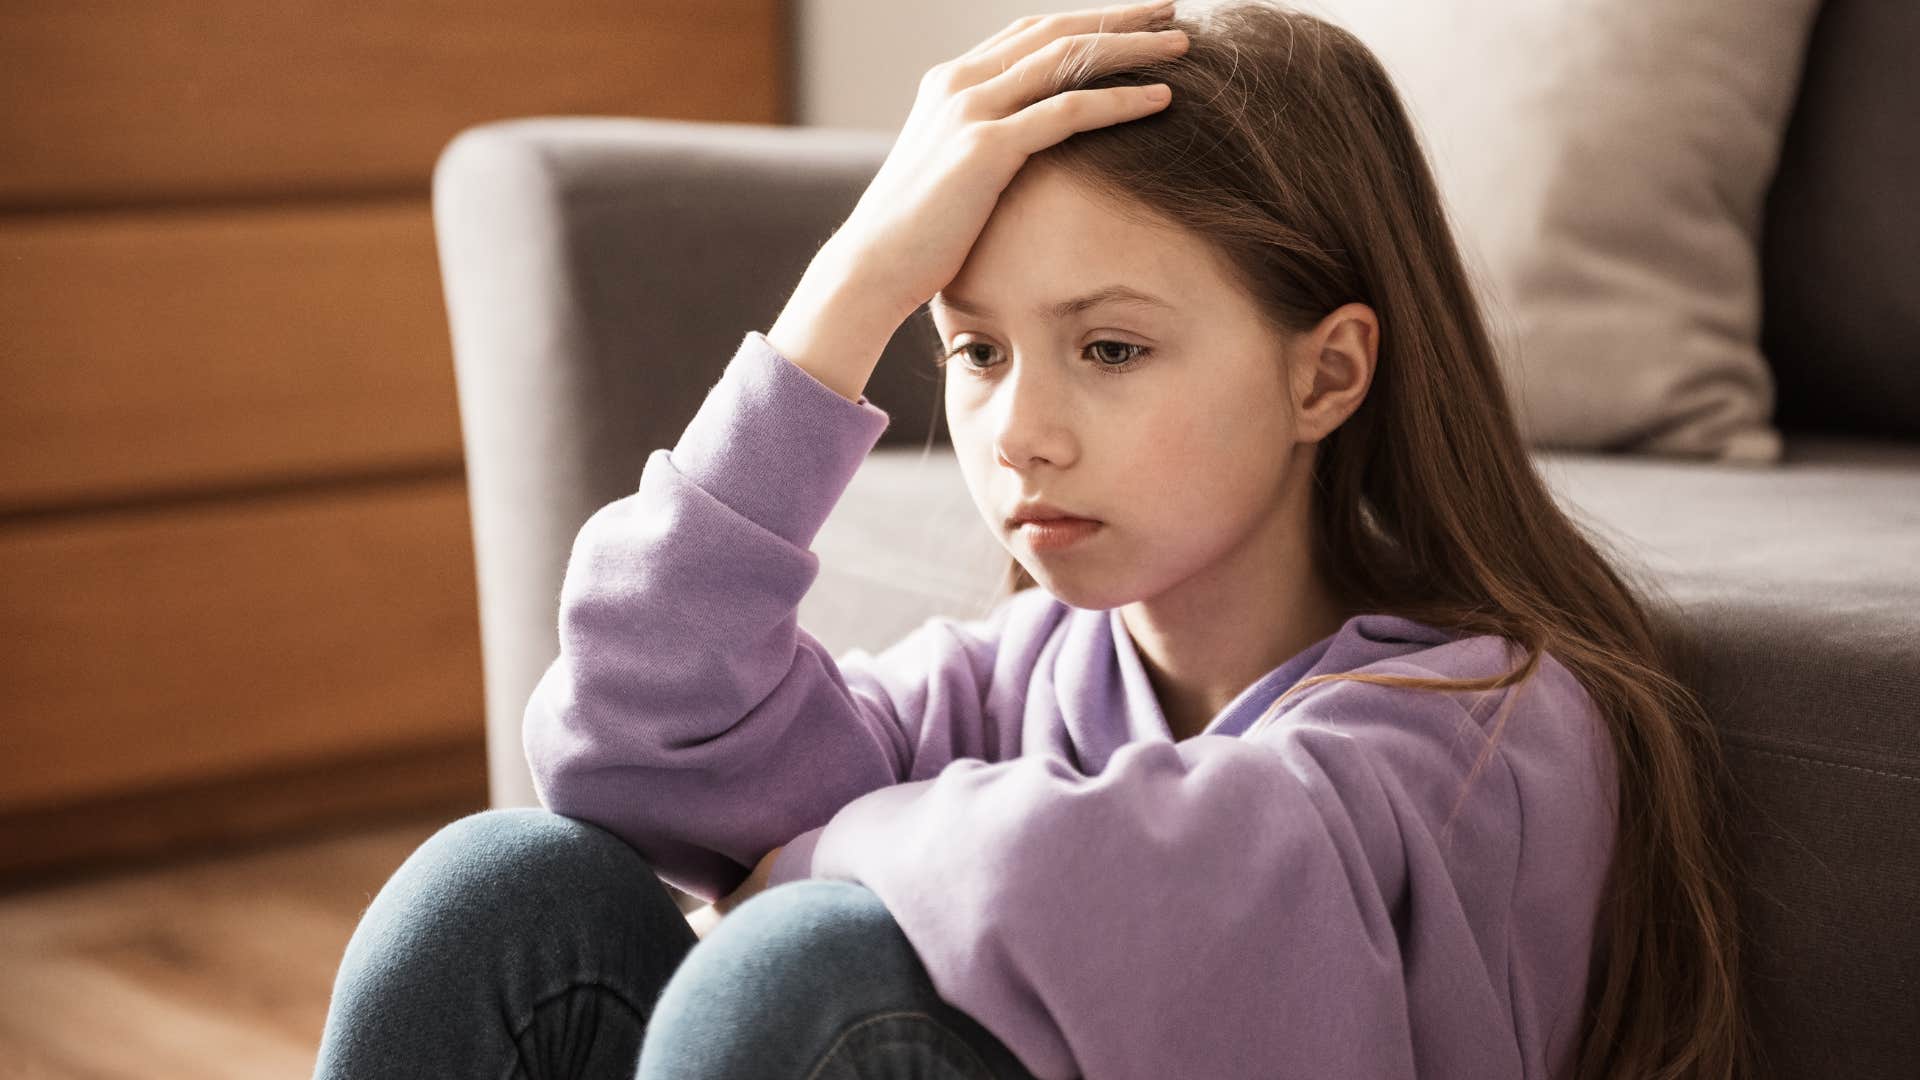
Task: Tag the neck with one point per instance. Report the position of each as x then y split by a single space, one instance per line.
1200 657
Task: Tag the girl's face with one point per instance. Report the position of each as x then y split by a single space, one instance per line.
1169 420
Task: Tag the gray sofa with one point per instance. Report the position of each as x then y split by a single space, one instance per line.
600 271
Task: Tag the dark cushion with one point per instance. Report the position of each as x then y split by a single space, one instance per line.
1840 274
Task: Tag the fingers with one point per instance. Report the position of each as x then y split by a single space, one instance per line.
1113 17
1030 38
1047 122
1003 34
1025 36
1033 77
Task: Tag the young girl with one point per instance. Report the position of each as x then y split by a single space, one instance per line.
1315 740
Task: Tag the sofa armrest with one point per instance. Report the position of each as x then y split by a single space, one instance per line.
598 274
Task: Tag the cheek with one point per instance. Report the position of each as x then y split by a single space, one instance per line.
974 459
1204 459
1163 465
1204 433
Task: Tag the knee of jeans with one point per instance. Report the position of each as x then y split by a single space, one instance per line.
505 863
818 922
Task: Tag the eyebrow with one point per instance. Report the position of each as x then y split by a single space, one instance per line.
1106 294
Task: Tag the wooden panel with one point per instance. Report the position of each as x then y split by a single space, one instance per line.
150 352
190 641
176 99
43 846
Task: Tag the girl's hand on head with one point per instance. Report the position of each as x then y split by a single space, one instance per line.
974 123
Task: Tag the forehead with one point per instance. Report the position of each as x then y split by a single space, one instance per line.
1114 294
1052 249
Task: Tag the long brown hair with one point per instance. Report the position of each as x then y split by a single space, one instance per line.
1287 147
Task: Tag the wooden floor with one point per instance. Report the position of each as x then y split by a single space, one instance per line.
210 968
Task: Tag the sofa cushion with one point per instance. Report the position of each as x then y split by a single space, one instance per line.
1604 167
1800 584
1796 593
905 542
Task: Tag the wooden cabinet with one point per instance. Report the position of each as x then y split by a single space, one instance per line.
235 556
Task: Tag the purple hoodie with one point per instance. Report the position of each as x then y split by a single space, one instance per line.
1108 902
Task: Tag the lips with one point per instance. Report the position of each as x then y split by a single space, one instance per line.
1041 513
1056 534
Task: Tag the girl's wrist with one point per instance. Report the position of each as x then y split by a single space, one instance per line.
835 326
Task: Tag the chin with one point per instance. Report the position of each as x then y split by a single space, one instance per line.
1075 590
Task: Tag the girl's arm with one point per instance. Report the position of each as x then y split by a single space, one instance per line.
687 711
1284 905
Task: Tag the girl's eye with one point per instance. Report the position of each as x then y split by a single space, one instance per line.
1102 358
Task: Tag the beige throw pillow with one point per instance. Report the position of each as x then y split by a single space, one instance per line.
1605 163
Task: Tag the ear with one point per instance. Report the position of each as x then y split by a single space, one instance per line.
1332 366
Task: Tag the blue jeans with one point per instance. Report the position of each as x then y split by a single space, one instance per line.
523 943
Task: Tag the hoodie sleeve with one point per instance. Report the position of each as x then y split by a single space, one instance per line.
1220 907
687 711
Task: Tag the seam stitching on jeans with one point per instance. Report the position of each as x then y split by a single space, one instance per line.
814 1074
519 1059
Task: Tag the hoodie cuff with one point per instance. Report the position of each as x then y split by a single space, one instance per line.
775 444
795 861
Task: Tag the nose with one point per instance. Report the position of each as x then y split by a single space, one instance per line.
1033 417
